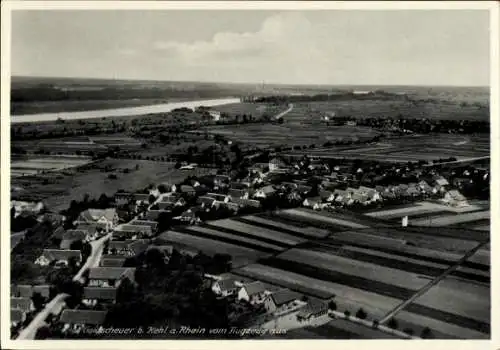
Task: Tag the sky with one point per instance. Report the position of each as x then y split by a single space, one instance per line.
334 47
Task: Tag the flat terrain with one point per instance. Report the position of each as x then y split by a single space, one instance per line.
58 189
409 148
38 165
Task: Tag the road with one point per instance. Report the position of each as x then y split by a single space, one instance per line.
282 114
55 305
465 160
432 283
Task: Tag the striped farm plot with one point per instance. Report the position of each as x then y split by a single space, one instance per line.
240 255
453 219
370 271
242 240
307 231
400 212
310 215
346 298
439 328
257 231
457 302
367 238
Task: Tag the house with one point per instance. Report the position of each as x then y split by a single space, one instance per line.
205 201
239 185
441 184
166 205
254 293
221 181
425 187
275 164
122 198
314 308
216 115
28 208
17 317
112 261
413 190
455 199
168 187
358 197
189 190
251 203
76 320
27 291
93 295
304 189
176 200
342 196
264 192
59 257
327 196
224 287
110 276
23 304
280 300
234 193
154 214
461 181
128 248
58 233
152 224
141 197
372 194
219 197
189 216
92 231
139 230
234 207
314 203
105 219
71 236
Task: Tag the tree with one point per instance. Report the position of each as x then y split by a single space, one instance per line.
151 199
426 333
43 332
408 331
361 314
347 313
162 188
392 323
375 324
38 301
332 305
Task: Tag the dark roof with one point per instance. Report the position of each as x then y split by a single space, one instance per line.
74 235
16 315
109 273
116 261
58 232
150 223
101 293
153 214
217 196
246 202
141 196
238 186
185 188
27 291
88 317
135 228
256 287
91 229
118 244
313 307
20 303
58 254
93 215
166 205
138 246
235 193
205 200
226 284
284 296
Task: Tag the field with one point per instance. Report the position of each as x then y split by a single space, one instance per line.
410 148
288 134
58 189
21 166
447 220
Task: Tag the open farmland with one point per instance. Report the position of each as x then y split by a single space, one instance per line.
447 220
32 165
58 189
309 231
287 134
256 110
339 329
240 254
321 217
409 148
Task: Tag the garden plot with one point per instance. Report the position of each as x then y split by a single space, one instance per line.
312 231
452 219
312 216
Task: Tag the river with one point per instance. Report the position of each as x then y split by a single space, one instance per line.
120 112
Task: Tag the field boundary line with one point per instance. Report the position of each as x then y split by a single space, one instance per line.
432 283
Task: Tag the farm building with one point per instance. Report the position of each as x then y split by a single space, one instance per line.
105 219
71 236
76 320
93 295
314 308
109 276
24 304
17 317
224 287
314 203
455 199
254 293
251 203
128 248
219 197
27 291
280 300
264 191
276 164
112 261
58 256
235 193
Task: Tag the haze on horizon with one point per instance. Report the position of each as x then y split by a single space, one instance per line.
329 47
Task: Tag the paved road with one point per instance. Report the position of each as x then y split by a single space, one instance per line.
52 307
58 302
432 283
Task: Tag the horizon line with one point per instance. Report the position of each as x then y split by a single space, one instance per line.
247 83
